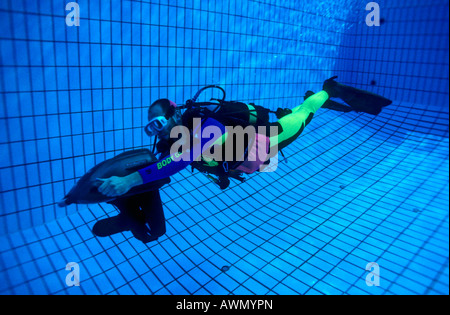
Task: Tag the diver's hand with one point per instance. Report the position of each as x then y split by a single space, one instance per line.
116 186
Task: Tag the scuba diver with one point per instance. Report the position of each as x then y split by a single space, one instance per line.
203 148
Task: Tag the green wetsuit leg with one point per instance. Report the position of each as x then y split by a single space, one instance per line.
293 124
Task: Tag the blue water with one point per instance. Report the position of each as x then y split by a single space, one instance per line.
353 189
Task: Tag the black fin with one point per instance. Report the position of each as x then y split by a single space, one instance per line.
359 100
330 104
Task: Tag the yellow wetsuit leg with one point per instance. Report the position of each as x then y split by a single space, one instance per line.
293 124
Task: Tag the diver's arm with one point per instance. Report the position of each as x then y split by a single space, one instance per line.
165 167
134 179
116 185
172 164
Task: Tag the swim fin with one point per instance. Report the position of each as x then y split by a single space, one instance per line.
330 104
358 100
123 223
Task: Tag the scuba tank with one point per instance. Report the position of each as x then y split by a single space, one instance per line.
250 115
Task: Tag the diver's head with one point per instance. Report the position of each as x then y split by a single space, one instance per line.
162 117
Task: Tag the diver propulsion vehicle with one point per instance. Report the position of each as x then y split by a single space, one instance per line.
86 191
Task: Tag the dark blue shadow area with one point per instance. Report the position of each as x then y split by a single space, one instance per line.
352 190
